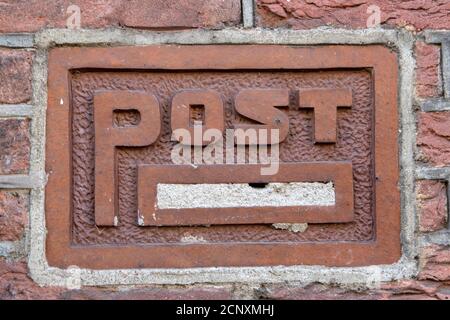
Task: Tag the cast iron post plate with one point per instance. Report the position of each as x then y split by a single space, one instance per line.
111 115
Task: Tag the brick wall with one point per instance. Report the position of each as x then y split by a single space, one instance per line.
29 28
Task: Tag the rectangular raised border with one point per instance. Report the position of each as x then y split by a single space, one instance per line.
340 173
384 249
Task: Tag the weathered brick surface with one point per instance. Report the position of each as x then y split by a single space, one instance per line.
150 293
435 263
414 290
433 138
15 75
432 203
14 146
16 284
182 14
428 82
312 292
29 16
399 290
304 14
13 214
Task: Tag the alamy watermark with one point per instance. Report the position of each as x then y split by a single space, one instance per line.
237 146
73 279
74 17
374 18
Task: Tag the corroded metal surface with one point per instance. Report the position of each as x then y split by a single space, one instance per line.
364 134
340 173
354 126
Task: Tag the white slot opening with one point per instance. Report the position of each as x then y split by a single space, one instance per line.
226 195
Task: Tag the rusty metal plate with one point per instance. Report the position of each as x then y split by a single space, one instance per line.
340 174
111 123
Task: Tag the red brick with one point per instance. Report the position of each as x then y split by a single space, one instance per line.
398 290
435 263
433 138
13 214
443 293
432 203
30 16
15 75
428 83
305 14
150 293
14 146
409 289
181 13
312 292
16 284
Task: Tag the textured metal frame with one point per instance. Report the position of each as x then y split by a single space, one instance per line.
383 249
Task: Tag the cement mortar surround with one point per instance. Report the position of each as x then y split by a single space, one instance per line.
406 267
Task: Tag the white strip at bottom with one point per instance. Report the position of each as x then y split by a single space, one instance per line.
227 195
